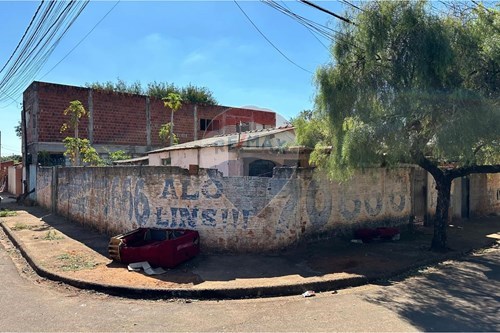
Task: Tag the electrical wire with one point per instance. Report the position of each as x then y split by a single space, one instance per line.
352 5
49 24
316 28
271 43
81 40
24 35
309 3
310 30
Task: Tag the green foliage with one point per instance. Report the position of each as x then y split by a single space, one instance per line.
164 134
19 130
86 152
7 213
75 110
173 101
77 148
311 129
72 261
119 155
52 235
190 93
13 157
405 84
43 158
119 86
197 95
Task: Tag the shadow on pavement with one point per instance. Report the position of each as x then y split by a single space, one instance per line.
460 296
334 256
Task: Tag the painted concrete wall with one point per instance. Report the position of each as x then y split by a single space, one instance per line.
45 180
484 196
15 176
237 214
226 157
207 157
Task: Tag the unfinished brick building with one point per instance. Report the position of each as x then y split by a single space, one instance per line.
119 121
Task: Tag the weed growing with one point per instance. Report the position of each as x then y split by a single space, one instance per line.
7 213
75 262
52 235
20 226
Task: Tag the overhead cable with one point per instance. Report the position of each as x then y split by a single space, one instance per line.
49 24
267 39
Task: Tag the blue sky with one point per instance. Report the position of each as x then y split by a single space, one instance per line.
207 43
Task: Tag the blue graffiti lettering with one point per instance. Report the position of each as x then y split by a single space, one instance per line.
208 193
185 217
207 217
378 208
402 202
346 213
126 198
169 189
185 195
317 217
141 204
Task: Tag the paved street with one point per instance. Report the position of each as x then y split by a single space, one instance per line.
456 296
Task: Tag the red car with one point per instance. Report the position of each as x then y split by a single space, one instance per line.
160 247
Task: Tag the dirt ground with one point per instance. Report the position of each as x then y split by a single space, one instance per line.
67 249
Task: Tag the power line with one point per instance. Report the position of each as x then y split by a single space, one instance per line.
310 30
81 40
309 3
352 5
24 35
267 39
49 24
312 26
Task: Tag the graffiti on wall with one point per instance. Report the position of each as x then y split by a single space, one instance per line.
278 207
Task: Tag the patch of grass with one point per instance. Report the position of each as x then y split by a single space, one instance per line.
20 226
52 235
7 213
75 262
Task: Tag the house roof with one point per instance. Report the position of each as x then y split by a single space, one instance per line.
132 160
226 140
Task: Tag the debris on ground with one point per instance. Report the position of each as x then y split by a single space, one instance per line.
309 293
146 267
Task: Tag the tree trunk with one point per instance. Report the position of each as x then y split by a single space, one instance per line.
77 153
443 186
171 128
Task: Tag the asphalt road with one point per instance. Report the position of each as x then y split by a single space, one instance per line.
454 296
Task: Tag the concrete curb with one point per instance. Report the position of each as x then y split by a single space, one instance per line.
222 293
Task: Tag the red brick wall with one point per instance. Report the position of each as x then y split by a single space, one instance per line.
121 119
52 101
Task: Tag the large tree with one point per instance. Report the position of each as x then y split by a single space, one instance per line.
407 85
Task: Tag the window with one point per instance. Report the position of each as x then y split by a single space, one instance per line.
166 161
209 125
261 168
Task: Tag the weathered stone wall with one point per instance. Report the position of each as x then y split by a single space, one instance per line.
44 187
485 194
236 214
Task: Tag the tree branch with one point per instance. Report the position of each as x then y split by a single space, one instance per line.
429 166
465 171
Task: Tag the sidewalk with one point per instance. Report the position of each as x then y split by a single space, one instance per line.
65 251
